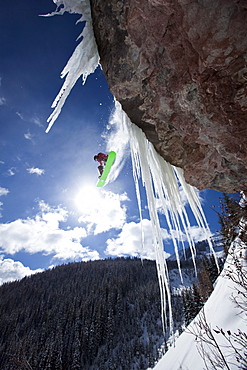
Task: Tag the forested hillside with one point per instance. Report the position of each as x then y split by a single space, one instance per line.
90 315
101 314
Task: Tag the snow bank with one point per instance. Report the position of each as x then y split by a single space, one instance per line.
221 312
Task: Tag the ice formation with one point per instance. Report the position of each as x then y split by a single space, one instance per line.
160 179
84 59
117 140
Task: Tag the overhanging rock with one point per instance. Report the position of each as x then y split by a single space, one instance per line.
179 69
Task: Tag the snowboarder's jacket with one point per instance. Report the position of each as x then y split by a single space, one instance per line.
101 158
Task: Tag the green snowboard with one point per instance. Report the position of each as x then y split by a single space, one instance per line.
107 168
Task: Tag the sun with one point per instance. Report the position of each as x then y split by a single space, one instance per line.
87 199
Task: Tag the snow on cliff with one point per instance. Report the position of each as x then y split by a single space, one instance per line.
196 348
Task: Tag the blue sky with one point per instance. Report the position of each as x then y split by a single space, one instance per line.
51 210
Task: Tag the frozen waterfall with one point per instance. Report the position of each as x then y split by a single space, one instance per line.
163 183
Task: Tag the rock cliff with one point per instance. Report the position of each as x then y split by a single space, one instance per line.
179 69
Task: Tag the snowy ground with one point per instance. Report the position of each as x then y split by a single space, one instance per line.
221 313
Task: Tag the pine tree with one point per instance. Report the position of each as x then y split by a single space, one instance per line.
229 217
197 299
187 305
213 268
205 283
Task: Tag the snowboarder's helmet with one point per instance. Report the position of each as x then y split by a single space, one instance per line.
95 157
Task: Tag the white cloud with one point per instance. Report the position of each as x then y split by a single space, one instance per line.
11 171
198 233
43 234
2 101
101 210
36 121
11 270
29 136
33 119
37 171
1 204
20 115
3 191
129 241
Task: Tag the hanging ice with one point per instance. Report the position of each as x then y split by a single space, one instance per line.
84 59
161 181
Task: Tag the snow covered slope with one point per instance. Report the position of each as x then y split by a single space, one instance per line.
190 351
202 249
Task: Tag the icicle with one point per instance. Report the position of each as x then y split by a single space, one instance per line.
173 209
84 59
118 140
197 210
160 180
139 152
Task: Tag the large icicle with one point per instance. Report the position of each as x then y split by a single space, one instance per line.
140 153
161 181
196 207
84 59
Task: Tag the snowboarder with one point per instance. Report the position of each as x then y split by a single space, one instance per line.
101 158
106 162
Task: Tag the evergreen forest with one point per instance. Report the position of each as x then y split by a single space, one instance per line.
90 315
93 315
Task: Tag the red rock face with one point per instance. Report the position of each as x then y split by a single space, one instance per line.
179 69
